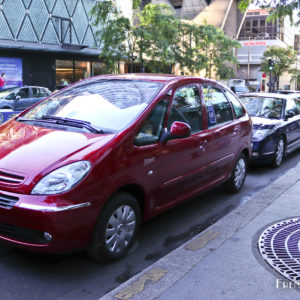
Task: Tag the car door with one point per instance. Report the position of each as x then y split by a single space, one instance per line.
38 94
292 123
183 161
223 133
23 99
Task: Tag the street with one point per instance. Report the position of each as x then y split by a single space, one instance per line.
27 275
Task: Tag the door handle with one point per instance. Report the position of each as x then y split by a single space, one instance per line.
203 144
236 129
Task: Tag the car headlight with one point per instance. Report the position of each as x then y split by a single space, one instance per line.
62 179
260 134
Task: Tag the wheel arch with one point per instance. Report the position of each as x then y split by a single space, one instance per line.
136 191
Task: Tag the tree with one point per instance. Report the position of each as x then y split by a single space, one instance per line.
218 50
158 40
295 77
115 35
283 59
279 8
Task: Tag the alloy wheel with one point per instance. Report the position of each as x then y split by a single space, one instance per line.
239 173
120 229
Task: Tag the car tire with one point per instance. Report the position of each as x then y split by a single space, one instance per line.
279 153
238 175
116 228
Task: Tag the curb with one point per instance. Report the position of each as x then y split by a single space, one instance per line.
163 274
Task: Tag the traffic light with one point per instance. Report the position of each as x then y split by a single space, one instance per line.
271 64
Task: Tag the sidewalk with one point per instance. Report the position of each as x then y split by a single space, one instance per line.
223 262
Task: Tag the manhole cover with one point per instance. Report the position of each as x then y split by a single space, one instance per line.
279 245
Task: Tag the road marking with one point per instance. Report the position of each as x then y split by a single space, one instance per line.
138 286
202 240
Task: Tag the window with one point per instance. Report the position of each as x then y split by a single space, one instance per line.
218 108
291 107
186 107
152 127
24 93
237 107
39 92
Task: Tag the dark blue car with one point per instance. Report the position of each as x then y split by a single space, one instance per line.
276 126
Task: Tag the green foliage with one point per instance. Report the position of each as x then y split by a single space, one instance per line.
278 8
158 40
283 59
295 77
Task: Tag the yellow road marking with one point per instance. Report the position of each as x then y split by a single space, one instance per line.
138 286
202 240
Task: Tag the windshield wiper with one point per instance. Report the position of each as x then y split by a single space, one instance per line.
72 122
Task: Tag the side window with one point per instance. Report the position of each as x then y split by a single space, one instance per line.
43 93
297 101
35 92
186 107
150 131
217 107
237 107
291 107
24 93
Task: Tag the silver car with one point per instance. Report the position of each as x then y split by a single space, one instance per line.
19 98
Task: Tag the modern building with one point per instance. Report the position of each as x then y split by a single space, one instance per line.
255 36
223 14
49 42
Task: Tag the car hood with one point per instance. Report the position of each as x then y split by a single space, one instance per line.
265 123
28 151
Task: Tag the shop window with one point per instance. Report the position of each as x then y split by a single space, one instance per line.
64 72
98 68
82 70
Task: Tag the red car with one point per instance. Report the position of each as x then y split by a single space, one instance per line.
82 168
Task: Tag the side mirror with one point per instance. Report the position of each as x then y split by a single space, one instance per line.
290 114
179 130
18 97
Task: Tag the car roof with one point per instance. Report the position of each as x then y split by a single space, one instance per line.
271 95
162 78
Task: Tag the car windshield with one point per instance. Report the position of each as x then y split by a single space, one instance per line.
266 107
105 104
6 92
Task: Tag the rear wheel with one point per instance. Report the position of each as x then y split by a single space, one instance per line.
279 153
116 228
238 175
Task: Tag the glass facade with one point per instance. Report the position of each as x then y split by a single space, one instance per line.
70 71
48 22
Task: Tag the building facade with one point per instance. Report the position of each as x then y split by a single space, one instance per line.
49 43
255 36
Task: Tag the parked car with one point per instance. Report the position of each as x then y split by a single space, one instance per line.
288 92
84 167
276 126
18 99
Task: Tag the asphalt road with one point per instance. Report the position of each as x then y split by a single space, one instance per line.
25 275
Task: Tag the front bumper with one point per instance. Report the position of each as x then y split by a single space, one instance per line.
36 222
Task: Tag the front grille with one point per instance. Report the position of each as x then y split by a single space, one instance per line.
10 178
22 234
279 246
7 201
7 230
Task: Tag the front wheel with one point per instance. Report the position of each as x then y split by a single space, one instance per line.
279 154
116 228
238 175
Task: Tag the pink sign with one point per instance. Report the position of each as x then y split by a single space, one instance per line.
255 43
